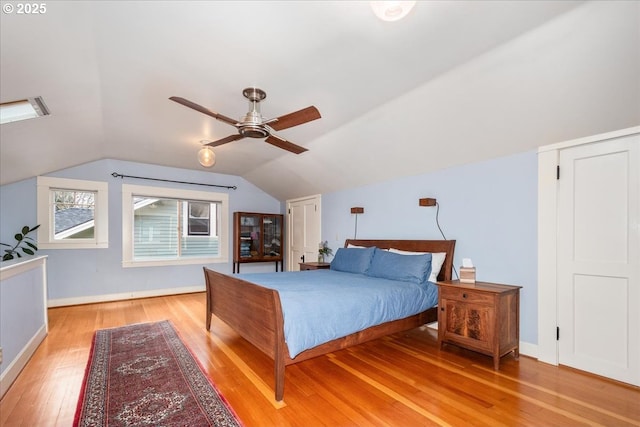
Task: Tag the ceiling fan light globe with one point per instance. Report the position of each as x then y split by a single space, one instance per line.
392 10
206 157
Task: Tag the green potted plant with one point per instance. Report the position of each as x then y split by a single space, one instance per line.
324 250
23 243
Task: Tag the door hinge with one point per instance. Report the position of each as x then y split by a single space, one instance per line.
315 207
558 172
289 211
557 333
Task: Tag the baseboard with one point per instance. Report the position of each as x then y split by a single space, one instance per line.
10 374
92 299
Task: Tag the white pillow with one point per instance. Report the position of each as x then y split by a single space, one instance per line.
437 259
349 245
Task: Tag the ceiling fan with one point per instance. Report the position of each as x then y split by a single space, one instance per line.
252 125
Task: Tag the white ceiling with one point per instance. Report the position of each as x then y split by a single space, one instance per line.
453 83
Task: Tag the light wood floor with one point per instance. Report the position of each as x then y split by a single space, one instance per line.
400 380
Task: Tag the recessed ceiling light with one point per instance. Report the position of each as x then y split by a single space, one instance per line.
392 10
22 110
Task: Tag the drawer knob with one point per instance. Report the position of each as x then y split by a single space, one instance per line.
441 308
464 295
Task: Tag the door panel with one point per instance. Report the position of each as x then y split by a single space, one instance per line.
592 319
599 258
601 190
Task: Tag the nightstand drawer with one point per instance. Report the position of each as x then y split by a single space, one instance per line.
467 295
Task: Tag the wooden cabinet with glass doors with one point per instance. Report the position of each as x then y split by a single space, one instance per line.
257 237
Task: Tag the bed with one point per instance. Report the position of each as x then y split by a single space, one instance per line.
255 312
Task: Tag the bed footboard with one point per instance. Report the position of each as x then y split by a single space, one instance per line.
253 312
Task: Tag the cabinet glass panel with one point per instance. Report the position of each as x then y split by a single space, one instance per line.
272 245
249 236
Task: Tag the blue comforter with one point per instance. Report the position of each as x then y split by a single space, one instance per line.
321 305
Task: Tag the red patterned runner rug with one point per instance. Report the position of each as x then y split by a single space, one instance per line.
144 375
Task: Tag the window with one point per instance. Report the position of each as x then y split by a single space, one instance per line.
73 214
163 226
198 221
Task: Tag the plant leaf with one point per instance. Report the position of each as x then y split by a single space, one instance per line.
25 230
18 237
18 253
7 257
28 251
4 244
34 228
32 245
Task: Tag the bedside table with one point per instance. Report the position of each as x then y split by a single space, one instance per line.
480 316
314 265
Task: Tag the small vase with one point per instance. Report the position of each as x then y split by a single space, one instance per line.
320 257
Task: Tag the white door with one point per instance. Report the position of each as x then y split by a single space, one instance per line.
303 230
599 258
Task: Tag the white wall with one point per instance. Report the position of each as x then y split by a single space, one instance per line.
575 76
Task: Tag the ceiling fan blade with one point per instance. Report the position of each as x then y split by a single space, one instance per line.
229 138
294 119
203 110
284 144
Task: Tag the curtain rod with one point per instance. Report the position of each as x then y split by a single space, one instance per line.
119 175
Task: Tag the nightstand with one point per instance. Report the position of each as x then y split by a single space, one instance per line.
314 265
480 316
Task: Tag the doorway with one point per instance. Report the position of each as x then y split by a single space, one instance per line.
303 230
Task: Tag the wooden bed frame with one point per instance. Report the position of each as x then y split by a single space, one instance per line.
255 312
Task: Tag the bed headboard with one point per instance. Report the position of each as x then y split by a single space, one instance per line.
447 246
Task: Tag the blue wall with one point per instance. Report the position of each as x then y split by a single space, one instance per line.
75 273
490 208
22 312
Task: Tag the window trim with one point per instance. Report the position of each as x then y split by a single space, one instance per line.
128 191
45 215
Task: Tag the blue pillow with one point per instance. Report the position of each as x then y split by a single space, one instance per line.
352 260
407 268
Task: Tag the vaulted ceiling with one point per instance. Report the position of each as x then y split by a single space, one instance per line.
454 82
